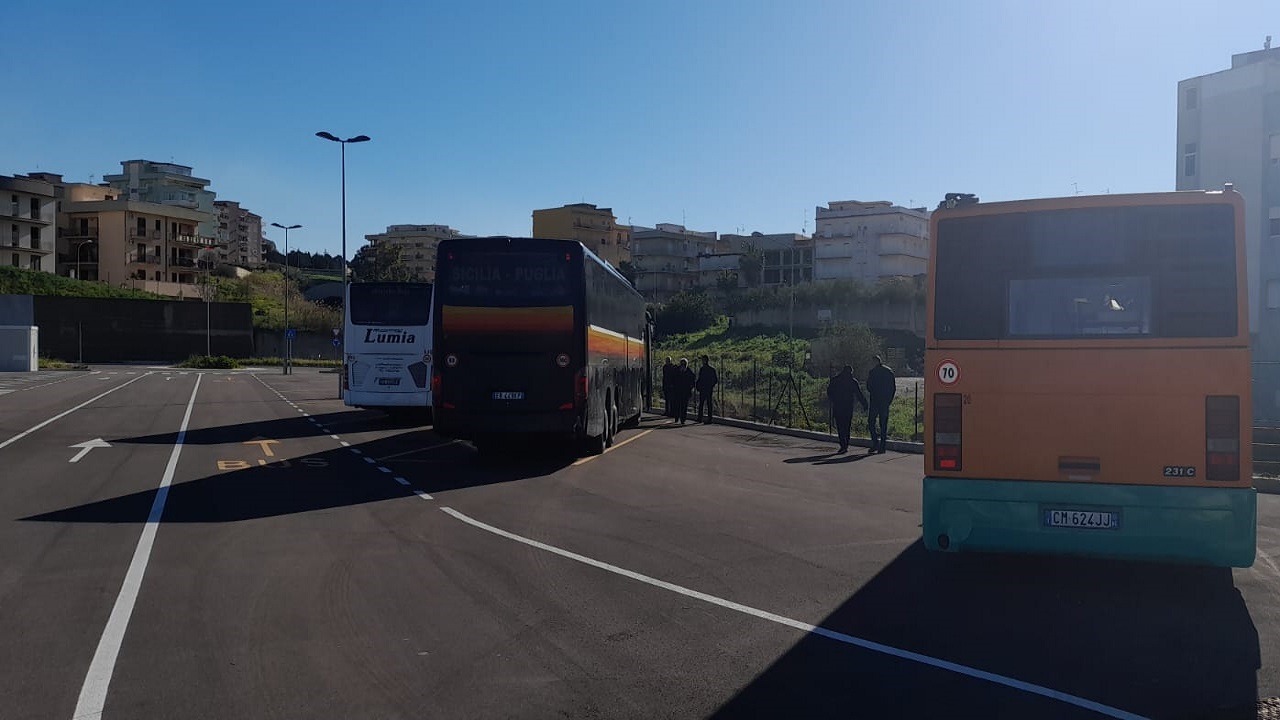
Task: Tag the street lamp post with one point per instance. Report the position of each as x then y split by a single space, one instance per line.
79 265
343 143
288 343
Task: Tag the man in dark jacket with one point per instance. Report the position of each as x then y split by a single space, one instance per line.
706 385
844 391
682 383
882 386
668 387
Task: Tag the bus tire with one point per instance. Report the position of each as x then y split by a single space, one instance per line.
610 423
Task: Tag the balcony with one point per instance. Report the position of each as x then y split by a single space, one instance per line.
182 262
78 234
14 210
136 258
193 240
192 204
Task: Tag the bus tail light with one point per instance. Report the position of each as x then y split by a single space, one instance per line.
948 413
435 383
1222 437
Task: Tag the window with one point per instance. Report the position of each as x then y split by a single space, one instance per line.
35 208
159 225
16 261
1275 226
34 263
1191 100
35 238
772 277
1158 271
1189 159
13 235
142 226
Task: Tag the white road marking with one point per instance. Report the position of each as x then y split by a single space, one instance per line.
402 481
345 443
423 495
65 413
385 469
616 445
88 445
93 694
357 451
812 629
370 460
335 437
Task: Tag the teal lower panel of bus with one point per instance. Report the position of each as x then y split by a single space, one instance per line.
1199 525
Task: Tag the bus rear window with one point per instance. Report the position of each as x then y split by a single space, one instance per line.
507 278
1149 271
390 303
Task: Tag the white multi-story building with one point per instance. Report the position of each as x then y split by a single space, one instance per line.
239 235
666 258
417 244
1229 131
167 184
28 211
868 241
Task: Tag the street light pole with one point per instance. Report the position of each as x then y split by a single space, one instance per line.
288 343
357 139
79 265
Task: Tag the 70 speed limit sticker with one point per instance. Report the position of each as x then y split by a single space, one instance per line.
948 372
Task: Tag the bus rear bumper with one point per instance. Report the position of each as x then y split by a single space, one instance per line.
359 398
1197 525
468 426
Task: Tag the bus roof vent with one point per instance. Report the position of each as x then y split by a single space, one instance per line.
954 200
1228 187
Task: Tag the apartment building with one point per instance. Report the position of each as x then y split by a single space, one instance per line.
1229 131
666 258
595 227
786 258
28 211
126 243
167 184
239 235
868 241
417 244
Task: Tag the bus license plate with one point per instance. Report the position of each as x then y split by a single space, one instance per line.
508 396
1085 519
388 381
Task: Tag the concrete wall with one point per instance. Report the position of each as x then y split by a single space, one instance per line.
133 330
270 343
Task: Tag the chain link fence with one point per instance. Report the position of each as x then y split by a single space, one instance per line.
778 390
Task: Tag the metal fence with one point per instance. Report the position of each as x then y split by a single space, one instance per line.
774 390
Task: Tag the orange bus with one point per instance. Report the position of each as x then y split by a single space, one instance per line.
1087 378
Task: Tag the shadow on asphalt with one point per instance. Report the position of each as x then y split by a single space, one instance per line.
1165 641
319 481
347 421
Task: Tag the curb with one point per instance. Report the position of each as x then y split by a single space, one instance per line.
894 445
1268 486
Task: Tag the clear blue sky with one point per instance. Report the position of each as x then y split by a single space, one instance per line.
730 114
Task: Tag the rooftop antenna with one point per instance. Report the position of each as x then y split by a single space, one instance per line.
1077 187
1267 45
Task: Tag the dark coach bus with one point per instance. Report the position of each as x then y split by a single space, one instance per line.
535 336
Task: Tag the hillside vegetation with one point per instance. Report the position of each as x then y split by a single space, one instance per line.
17 281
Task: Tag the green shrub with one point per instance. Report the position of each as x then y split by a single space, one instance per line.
210 362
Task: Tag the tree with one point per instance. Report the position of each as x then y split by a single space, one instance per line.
685 312
842 344
751 264
628 270
379 263
727 282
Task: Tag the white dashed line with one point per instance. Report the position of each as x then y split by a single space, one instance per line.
335 437
345 443
402 481
370 460
806 627
385 469
423 495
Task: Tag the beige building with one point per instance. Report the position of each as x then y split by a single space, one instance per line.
28 211
868 241
417 244
595 227
142 245
239 235
666 258
166 184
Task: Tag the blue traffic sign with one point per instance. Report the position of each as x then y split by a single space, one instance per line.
337 342
291 333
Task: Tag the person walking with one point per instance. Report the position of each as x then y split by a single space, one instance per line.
881 386
683 385
844 391
668 387
706 385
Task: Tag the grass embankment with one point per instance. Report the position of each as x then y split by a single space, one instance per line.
756 382
54 364
16 281
297 362
265 291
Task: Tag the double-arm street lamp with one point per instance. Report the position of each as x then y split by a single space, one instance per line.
288 343
343 143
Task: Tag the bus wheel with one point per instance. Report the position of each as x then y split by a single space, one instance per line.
594 445
610 423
